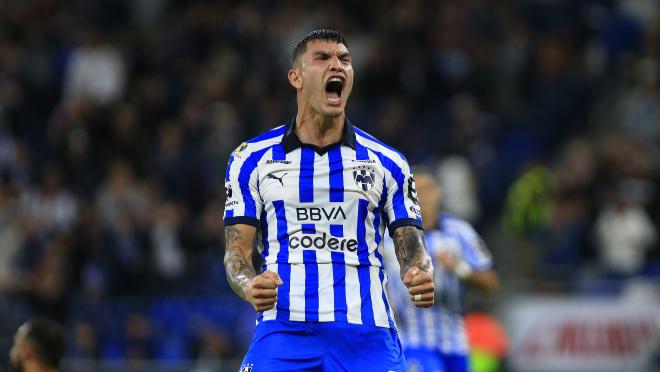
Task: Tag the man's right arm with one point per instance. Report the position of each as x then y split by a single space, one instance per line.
239 240
259 290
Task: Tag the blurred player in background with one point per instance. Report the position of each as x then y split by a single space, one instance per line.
317 194
38 347
435 339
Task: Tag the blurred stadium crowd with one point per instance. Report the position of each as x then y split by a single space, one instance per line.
542 119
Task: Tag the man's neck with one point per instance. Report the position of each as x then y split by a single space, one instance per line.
318 130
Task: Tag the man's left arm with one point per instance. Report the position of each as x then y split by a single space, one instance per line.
485 279
475 264
415 263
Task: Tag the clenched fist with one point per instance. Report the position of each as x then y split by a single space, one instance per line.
420 287
262 293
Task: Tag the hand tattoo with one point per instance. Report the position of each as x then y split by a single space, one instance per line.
410 250
239 271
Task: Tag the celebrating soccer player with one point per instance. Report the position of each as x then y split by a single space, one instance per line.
317 194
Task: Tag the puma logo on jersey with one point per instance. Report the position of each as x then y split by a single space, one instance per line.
280 179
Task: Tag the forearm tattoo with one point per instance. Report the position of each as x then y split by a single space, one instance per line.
239 270
411 250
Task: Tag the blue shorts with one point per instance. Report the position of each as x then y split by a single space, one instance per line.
425 360
323 346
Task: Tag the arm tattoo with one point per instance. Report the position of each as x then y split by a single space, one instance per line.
239 270
411 250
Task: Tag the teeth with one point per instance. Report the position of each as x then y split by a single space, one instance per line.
335 79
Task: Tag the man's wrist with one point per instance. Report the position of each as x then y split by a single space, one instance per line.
247 290
428 269
462 269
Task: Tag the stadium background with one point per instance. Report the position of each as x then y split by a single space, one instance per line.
541 118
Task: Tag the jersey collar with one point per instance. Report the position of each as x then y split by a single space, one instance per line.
290 140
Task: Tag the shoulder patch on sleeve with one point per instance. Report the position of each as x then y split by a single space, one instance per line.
240 148
412 190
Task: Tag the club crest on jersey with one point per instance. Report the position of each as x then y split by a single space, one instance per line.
364 178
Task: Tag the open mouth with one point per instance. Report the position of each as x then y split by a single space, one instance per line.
334 88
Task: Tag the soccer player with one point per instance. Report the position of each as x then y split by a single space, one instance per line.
317 194
38 347
434 340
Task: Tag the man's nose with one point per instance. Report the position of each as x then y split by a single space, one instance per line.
335 64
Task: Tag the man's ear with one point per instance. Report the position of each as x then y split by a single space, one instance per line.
295 77
27 352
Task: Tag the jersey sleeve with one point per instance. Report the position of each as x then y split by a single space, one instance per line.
243 204
474 249
402 204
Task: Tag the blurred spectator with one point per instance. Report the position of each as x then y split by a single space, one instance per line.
558 93
125 247
120 197
528 201
575 172
95 70
639 110
125 137
168 254
458 183
563 238
44 276
624 233
90 260
51 206
527 209
172 162
139 340
83 345
11 232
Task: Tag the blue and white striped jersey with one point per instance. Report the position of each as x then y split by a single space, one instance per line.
439 327
321 214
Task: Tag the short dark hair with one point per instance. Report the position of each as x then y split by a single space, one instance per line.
322 34
47 340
